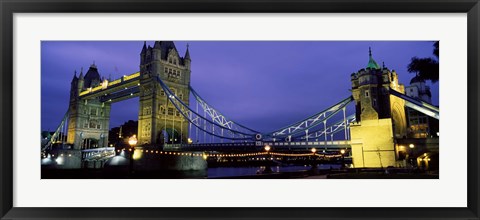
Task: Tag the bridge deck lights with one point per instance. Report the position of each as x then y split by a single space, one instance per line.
411 146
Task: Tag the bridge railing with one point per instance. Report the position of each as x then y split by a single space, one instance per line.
98 152
111 84
419 105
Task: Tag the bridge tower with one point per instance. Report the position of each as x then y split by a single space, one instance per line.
380 116
88 120
158 120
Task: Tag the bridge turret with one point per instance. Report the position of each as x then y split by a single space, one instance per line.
81 81
380 116
142 54
74 86
158 120
186 59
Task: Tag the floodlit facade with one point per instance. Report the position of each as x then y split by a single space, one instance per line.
380 116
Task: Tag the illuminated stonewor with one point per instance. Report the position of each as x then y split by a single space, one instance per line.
377 138
380 116
91 97
88 119
158 120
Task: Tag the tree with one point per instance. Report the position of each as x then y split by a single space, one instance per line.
426 68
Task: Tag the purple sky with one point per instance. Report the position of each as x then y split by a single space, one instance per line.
261 84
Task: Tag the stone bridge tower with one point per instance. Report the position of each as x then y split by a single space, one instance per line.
88 120
158 120
380 116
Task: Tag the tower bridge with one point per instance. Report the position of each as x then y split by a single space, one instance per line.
374 136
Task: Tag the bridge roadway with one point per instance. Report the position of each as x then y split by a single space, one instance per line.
300 146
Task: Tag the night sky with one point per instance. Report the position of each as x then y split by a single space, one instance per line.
261 84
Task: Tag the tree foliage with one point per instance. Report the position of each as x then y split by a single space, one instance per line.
426 68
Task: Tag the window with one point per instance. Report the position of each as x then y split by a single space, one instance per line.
93 123
162 92
162 110
85 124
366 93
170 111
146 130
181 96
93 111
147 110
177 113
85 111
374 102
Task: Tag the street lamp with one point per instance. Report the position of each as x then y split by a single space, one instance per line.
267 148
314 161
410 154
342 151
132 141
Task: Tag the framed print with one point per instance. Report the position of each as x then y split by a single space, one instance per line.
269 109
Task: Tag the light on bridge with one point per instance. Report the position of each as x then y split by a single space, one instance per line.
267 148
342 151
411 146
314 150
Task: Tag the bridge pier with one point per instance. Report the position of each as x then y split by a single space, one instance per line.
373 143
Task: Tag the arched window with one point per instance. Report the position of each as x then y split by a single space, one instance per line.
93 124
162 110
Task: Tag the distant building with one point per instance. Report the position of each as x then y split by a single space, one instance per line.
419 124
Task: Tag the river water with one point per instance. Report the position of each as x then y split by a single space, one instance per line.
248 171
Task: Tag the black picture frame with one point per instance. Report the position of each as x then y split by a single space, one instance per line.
9 7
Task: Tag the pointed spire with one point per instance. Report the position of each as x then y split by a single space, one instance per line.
81 74
74 77
187 53
157 45
371 62
144 49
